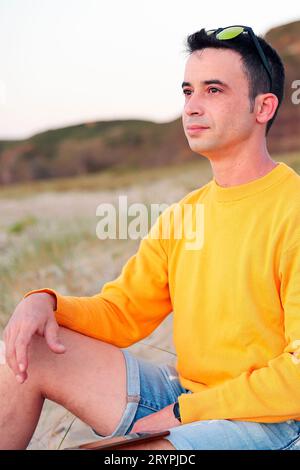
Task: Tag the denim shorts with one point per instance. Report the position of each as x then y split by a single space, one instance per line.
151 387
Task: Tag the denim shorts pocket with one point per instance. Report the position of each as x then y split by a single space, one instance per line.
171 375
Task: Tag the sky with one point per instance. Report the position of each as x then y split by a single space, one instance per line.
65 62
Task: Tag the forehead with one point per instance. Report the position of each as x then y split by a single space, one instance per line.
223 64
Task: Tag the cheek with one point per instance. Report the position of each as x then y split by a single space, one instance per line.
238 117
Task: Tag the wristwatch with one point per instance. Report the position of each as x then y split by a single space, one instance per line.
176 411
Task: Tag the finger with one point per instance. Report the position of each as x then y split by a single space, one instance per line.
21 346
10 356
52 337
139 425
5 334
2 352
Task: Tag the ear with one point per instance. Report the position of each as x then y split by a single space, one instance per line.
266 105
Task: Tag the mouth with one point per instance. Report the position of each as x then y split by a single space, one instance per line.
194 129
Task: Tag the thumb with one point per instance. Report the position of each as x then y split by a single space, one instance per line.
52 338
2 352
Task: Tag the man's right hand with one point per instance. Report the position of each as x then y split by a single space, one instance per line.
33 315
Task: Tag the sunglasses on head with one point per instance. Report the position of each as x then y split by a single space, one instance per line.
230 32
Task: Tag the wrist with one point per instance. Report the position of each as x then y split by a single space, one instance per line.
46 295
53 300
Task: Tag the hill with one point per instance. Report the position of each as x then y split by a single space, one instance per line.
95 146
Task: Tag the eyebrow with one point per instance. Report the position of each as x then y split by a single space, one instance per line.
208 82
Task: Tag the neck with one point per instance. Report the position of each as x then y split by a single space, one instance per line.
240 165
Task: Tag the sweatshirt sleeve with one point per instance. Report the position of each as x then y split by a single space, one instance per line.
128 308
267 394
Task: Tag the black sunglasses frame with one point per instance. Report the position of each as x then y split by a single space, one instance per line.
255 41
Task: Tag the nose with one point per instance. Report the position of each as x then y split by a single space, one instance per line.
193 106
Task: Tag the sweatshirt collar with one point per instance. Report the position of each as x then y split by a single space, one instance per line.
233 193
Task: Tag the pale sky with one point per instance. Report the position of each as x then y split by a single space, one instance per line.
65 62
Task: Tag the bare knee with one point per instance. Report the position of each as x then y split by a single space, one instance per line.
44 364
89 379
37 350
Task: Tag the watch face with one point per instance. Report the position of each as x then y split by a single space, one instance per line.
176 411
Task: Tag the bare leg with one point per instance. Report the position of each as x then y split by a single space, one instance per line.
89 380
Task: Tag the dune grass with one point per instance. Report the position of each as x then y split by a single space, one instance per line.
55 244
114 178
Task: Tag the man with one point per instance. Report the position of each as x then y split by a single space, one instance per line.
235 300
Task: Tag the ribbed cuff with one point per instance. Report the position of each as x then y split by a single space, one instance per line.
60 301
48 291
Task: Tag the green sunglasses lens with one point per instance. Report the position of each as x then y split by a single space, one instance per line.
232 32
229 33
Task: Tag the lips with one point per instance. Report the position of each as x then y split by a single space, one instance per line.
195 126
196 130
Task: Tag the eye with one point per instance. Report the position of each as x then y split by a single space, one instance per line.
214 88
211 91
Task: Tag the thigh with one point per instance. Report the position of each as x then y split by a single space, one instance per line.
89 379
235 435
150 388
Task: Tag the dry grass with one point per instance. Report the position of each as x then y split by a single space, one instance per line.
48 239
116 178
48 229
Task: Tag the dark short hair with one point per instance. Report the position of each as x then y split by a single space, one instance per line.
257 76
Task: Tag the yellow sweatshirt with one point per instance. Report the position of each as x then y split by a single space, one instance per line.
236 300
